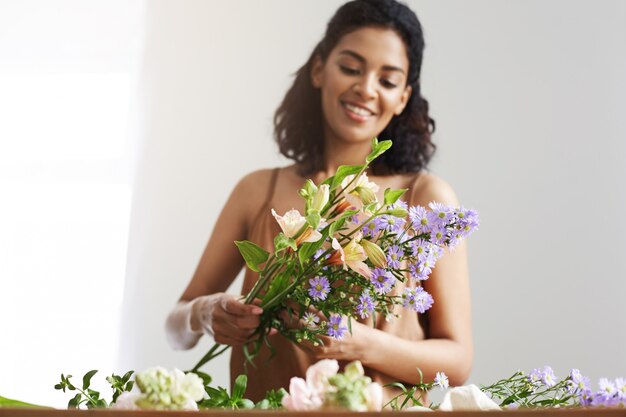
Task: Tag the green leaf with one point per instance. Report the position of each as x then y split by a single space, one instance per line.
245 404
9 403
282 242
129 386
253 254
74 402
378 148
278 284
336 225
264 404
127 376
87 378
343 171
391 195
206 378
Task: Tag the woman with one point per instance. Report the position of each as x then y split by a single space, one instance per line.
361 81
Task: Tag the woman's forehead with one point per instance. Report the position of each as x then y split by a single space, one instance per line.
377 46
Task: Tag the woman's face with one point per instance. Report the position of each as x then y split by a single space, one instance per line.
362 83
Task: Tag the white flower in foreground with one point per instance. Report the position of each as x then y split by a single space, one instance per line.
301 397
317 375
441 380
374 396
126 401
291 223
467 398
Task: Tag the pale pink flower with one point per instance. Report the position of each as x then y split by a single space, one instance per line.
291 223
317 375
374 397
301 397
352 256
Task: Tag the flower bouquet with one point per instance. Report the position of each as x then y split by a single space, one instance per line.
344 257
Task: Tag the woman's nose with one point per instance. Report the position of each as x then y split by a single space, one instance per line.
365 87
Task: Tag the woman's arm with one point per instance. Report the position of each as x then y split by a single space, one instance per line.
204 307
449 347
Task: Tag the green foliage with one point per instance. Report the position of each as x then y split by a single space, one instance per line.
219 397
378 148
120 384
85 395
282 242
273 400
343 171
253 254
9 403
391 196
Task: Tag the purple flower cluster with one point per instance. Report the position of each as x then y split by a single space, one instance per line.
394 256
335 327
611 393
320 287
443 223
382 280
425 255
389 223
366 305
544 376
417 299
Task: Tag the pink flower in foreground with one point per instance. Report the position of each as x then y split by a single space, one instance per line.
309 395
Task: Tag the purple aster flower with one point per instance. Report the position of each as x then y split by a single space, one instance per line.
390 223
394 256
335 329
548 377
366 305
382 280
420 248
607 387
441 380
438 235
320 287
440 214
370 229
417 299
586 397
419 220
578 381
417 272
536 376
311 320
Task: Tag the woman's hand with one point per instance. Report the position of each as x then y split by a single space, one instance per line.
350 347
226 318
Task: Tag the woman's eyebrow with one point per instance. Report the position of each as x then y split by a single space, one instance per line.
363 60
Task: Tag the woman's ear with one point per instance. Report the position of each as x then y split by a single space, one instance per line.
316 71
406 95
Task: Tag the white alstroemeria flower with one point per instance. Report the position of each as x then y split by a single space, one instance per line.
467 398
352 256
291 223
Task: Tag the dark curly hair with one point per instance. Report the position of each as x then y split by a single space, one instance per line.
298 121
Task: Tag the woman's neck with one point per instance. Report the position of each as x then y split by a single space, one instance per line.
337 152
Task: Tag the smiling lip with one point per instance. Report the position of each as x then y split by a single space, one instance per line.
356 112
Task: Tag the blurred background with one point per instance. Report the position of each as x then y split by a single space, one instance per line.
124 124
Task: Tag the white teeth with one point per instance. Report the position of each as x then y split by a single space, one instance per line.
357 110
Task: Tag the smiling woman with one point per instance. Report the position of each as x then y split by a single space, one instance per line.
361 81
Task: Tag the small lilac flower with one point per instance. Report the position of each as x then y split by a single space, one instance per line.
586 397
441 380
399 204
438 235
320 287
441 214
366 305
382 280
420 248
548 378
394 256
536 376
417 299
335 329
370 229
419 220
311 320
607 387
578 381
390 223
417 272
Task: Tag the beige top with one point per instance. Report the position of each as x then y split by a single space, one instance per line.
290 360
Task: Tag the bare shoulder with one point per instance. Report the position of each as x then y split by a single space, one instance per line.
429 187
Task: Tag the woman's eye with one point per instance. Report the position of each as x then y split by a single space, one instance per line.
387 84
348 70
